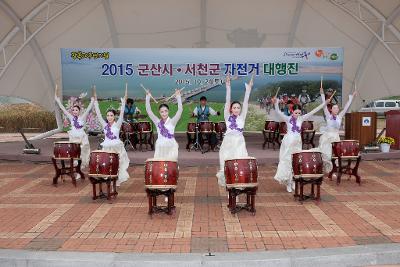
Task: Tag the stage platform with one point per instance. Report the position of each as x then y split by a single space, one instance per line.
12 146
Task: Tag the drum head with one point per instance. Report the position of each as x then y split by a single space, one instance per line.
156 160
66 142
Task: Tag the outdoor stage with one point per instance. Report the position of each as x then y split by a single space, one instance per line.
38 216
12 146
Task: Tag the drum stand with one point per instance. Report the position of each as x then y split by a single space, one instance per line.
70 170
196 146
152 196
300 182
250 199
128 142
107 179
345 169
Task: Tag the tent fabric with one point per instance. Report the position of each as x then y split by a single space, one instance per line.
198 23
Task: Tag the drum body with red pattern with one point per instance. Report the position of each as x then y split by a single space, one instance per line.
241 172
161 174
282 128
191 127
346 148
103 164
220 127
206 126
307 163
307 126
67 150
272 126
143 126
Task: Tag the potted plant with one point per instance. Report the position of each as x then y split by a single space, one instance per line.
385 143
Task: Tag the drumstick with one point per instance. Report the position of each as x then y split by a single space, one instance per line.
56 91
321 81
334 92
174 94
277 91
148 91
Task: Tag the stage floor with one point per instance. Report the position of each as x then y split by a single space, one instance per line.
38 216
11 147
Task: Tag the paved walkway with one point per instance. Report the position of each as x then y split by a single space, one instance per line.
38 216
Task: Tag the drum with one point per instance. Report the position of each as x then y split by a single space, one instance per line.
191 127
206 126
144 126
161 174
67 150
103 164
220 127
282 128
307 164
271 126
128 127
241 172
346 148
307 126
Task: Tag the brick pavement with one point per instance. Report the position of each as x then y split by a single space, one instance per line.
38 216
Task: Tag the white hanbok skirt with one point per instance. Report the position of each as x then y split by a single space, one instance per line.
79 136
166 149
116 146
233 147
291 143
325 147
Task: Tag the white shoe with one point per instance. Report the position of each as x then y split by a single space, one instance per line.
289 188
77 176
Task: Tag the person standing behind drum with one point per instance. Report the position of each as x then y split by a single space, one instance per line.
233 146
203 112
166 147
77 133
112 143
130 110
291 142
330 133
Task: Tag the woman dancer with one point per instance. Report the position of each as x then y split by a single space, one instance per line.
233 144
330 133
166 147
77 133
112 143
291 142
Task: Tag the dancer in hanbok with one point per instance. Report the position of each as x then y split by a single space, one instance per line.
330 133
112 143
233 145
166 147
291 142
77 133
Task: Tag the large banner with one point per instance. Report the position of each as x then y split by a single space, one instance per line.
200 71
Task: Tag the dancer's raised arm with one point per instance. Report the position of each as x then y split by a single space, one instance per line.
88 109
98 113
178 114
63 109
227 111
315 110
346 107
278 110
153 117
326 111
245 108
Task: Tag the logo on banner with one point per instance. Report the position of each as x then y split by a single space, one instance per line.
320 53
303 55
366 121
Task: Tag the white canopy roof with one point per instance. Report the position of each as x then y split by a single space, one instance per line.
31 33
